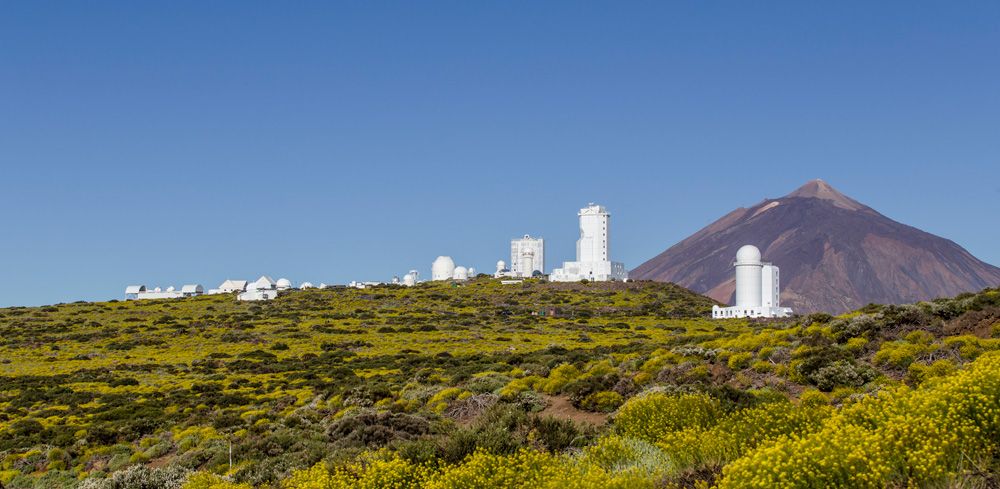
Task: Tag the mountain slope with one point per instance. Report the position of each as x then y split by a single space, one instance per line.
835 255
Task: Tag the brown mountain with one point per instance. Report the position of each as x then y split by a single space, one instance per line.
835 254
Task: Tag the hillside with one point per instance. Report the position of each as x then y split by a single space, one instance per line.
835 255
460 386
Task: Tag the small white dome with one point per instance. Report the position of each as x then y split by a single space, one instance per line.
171 289
284 283
443 268
461 273
748 254
472 272
323 286
157 290
501 265
306 285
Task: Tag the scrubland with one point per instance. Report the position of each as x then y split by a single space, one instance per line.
484 385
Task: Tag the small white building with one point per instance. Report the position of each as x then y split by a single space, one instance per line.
284 284
527 256
230 286
758 291
132 292
192 290
263 289
364 285
593 255
140 292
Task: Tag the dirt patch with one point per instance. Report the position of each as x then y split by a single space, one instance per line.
560 407
160 462
979 323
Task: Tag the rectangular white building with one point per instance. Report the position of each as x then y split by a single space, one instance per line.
527 256
140 292
593 252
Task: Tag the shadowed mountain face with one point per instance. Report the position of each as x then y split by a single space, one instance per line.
835 255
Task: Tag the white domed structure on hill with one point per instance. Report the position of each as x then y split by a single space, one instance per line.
410 279
461 273
757 288
306 285
284 284
443 268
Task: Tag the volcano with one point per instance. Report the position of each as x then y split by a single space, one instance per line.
835 255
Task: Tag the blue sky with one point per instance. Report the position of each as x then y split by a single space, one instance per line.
197 141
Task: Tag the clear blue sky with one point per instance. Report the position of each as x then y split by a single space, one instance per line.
174 142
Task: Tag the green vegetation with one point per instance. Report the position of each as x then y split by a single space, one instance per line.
549 385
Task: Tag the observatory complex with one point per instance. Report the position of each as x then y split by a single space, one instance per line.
757 289
593 260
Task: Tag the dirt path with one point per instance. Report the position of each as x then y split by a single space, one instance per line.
560 407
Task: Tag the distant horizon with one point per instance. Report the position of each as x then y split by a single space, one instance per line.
193 143
424 274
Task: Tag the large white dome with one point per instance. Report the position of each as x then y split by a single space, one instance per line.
748 254
409 279
443 268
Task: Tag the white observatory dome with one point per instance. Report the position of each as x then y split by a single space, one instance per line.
501 265
472 272
748 254
171 289
410 279
284 284
461 273
306 285
443 268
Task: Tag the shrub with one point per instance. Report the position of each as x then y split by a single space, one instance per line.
900 438
649 417
141 477
899 354
604 401
558 378
842 373
203 480
740 361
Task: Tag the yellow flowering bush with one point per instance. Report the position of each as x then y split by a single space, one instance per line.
901 437
651 416
204 480
558 378
369 473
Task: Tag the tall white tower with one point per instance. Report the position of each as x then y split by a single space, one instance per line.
593 243
527 255
748 277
